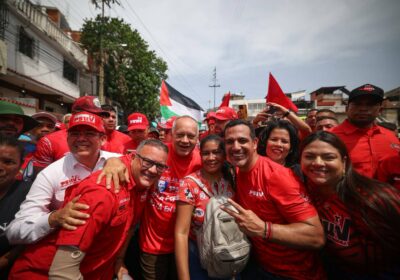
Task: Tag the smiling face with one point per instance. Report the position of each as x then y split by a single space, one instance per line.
212 157
241 149
84 143
147 177
278 145
184 136
10 161
322 164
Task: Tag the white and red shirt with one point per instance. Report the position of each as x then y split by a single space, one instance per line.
275 194
111 216
190 192
47 194
156 231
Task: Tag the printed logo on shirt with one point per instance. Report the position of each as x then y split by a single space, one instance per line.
188 194
162 185
395 146
198 212
338 231
256 193
69 182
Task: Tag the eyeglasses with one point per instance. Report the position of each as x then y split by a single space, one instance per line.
148 163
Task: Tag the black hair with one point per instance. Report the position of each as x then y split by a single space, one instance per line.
327 118
293 155
228 171
108 108
373 200
237 122
6 140
311 110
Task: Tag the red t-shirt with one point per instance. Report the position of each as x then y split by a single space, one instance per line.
367 147
51 148
156 231
275 194
350 244
191 193
101 238
389 171
116 142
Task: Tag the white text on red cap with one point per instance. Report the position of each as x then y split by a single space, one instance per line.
85 118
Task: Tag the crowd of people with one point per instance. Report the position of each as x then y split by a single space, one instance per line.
81 199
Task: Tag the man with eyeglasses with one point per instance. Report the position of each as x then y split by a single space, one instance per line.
91 251
156 232
41 212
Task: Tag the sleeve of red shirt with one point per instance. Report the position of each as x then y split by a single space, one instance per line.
101 208
43 155
185 192
289 196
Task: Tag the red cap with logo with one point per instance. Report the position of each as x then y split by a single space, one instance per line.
89 104
88 119
137 121
225 113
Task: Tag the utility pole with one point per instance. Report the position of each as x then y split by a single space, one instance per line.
101 67
214 85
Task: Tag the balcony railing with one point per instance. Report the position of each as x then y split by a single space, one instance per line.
41 21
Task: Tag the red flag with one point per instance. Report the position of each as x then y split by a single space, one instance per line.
276 95
225 100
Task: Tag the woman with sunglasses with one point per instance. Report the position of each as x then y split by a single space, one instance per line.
216 176
361 216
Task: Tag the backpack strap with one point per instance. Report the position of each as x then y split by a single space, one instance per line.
201 185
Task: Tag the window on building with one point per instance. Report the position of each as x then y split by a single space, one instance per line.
70 72
26 43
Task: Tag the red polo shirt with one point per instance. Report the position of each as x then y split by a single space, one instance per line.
367 146
51 148
389 171
116 142
101 238
275 194
156 234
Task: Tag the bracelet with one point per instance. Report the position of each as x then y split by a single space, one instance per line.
287 113
267 230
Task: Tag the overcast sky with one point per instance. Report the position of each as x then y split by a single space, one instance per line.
305 44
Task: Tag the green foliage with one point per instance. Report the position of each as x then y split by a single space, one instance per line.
133 73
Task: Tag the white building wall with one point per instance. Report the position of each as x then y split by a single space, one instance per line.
46 67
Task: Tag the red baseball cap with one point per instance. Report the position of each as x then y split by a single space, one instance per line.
137 121
89 104
210 119
88 119
226 113
168 124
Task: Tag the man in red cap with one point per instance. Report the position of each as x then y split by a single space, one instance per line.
210 120
222 116
54 146
138 126
41 212
116 141
366 142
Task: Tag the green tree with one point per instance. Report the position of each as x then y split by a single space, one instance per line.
133 73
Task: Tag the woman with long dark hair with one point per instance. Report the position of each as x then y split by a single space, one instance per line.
279 141
217 177
361 216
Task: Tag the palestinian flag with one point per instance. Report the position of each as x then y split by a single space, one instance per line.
174 103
